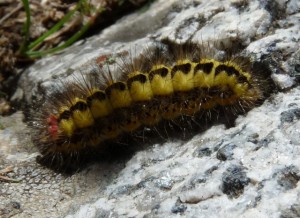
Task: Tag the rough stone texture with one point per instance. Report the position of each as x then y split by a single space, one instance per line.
249 170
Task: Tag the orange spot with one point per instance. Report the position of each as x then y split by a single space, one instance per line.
101 59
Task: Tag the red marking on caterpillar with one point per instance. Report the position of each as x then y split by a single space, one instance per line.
52 126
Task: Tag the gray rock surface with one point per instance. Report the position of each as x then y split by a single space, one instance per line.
249 170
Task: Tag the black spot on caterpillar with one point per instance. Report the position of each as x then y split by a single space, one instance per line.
166 90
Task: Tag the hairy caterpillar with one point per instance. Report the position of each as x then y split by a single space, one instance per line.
171 84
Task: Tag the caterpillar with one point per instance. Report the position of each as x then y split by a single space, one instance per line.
170 85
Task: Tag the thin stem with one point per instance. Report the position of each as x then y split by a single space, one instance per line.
26 26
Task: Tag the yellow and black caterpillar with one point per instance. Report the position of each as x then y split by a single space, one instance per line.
182 83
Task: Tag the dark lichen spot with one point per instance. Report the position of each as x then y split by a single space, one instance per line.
234 180
241 5
211 170
264 142
226 152
201 152
288 177
179 207
291 212
121 190
290 115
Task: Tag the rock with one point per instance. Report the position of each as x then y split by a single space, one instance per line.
185 177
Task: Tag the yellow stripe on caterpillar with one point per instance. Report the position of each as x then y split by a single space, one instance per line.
67 127
204 73
118 95
81 114
140 88
161 80
99 104
183 75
